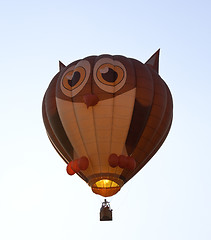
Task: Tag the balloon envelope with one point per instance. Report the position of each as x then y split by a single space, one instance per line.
108 110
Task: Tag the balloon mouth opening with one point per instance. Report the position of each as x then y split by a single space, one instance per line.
106 187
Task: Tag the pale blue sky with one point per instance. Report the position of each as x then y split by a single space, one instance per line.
170 198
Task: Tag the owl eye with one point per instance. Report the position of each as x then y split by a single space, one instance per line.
74 78
109 75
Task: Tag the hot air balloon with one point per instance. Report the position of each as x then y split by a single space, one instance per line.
107 116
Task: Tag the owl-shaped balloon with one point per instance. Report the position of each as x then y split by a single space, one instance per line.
107 116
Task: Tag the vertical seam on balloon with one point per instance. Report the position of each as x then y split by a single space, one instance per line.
96 140
94 122
134 70
125 139
89 79
112 122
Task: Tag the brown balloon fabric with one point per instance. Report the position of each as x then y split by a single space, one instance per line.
108 116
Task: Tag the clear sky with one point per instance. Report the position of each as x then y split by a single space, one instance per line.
170 198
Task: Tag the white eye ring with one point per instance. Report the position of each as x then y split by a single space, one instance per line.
114 64
70 91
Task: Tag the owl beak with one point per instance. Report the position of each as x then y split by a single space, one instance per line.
90 100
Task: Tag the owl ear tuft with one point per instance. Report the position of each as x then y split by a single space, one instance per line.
154 61
61 66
